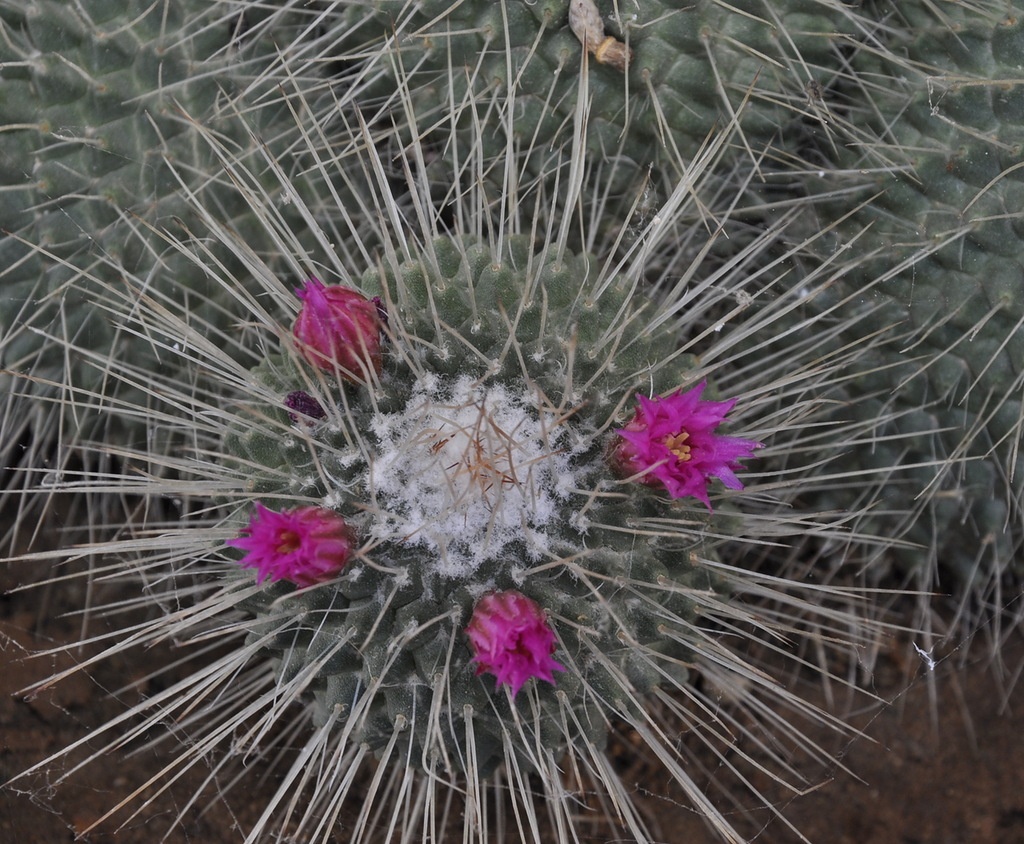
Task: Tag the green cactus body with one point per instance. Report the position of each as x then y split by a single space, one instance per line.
942 260
96 99
691 70
479 464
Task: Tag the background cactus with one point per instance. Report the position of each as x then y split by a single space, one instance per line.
937 94
770 57
96 115
506 75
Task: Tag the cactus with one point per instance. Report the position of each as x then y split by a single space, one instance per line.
684 73
482 469
939 172
478 460
96 115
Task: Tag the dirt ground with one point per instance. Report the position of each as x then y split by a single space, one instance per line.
941 763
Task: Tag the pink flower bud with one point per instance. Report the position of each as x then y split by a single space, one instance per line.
671 441
512 640
338 330
305 545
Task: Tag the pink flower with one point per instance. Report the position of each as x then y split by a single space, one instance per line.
672 440
305 545
338 329
511 639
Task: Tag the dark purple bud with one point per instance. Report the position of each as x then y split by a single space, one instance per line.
302 402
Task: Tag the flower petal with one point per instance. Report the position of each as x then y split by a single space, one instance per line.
512 640
670 444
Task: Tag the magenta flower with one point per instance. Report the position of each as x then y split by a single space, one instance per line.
305 545
672 441
338 329
511 639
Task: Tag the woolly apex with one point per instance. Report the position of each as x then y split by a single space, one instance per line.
469 471
338 330
512 640
305 545
670 443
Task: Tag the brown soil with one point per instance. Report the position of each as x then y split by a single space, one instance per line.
941 763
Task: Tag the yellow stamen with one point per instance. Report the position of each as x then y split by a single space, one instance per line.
288 542
674 444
